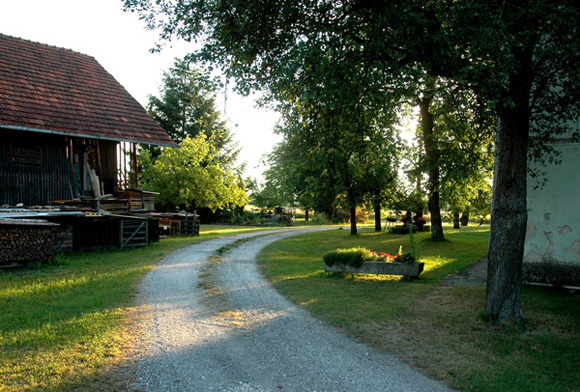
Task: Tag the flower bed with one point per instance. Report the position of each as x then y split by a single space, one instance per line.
363 261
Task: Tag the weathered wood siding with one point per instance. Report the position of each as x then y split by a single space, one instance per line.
34 168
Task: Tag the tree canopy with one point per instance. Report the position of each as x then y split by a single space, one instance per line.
186 108
191 177
520 57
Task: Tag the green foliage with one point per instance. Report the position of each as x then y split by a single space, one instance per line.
335 149
267 198
323 219
186 108
406 258
191 177
248 218
433 328
354 257
480 204
337 64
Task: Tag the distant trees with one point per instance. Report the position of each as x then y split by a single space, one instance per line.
339 143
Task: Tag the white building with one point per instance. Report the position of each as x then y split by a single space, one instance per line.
552 248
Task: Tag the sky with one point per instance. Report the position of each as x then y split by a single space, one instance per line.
120 42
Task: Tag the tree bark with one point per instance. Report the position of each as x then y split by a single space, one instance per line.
353 229
433 169
456 220
377 208
464 217
306 217
509 203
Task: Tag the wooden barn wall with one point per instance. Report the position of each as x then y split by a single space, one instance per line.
34 168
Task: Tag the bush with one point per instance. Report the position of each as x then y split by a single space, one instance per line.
353 257
406 258
320 219
247 218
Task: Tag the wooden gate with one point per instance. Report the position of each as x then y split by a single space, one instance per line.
134 233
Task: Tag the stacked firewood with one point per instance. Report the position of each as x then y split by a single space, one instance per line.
25 241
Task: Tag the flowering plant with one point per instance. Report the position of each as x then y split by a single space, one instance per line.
374 256
405 257
355 257
400 257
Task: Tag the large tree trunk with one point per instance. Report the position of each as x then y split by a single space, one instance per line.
377 208
306 217
433 169
509 208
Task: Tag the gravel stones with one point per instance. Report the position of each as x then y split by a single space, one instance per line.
259 342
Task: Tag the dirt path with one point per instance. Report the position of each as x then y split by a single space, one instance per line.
241 335
474 275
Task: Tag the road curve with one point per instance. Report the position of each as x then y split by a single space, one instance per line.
247 337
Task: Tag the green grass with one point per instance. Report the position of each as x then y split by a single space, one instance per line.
437 329
65 326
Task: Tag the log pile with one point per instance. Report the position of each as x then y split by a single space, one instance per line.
22 241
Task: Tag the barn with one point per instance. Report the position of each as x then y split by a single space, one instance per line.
68 142
67 127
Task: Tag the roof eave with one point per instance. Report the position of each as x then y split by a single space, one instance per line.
54 132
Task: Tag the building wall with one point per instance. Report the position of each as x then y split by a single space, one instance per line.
552 248
33 169
37 168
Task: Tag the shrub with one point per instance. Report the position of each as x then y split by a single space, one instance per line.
353 257
247 217
406 258
320 219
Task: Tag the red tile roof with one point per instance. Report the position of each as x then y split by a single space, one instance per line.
54 90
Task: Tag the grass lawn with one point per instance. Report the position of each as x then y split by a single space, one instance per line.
66 326
439 330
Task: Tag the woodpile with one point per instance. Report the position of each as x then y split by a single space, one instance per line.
139 200
27 240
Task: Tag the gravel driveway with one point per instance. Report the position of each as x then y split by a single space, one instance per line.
253 339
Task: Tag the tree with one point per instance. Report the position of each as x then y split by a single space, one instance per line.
266 198
523 60
343 141
186 108
520 57
465 142
298 182
191 177
480 206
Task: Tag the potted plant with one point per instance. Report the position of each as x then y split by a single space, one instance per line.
363 261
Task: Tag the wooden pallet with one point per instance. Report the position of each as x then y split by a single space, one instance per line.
189 226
